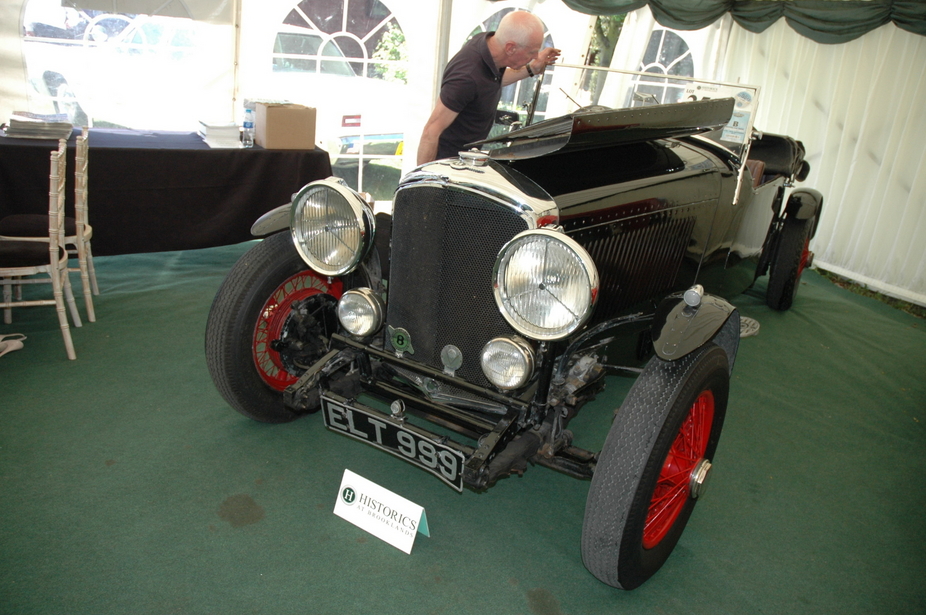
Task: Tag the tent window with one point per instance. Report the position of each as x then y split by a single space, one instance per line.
350 56
364 36
667 53
125 70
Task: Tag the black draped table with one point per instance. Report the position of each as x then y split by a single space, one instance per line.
157 191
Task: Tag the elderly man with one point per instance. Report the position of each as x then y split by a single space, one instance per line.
473 82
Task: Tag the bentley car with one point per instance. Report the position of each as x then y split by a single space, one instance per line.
466 329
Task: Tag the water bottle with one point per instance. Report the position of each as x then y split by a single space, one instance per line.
247 136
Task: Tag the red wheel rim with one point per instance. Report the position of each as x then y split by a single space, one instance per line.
805 258
272 318
674 484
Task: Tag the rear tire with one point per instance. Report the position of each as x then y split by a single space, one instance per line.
791 258
641 494
253 312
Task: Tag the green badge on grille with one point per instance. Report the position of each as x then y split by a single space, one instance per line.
401 340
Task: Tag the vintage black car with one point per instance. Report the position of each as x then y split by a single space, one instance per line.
463 331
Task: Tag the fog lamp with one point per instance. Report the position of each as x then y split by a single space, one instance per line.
360 312
508 362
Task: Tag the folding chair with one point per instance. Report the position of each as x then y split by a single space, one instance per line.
42 255
78 232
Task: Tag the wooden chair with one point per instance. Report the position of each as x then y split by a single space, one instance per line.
78 232
22 258
80 241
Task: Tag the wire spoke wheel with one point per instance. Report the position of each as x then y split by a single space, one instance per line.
792 256
674 484
291 326
654 466
269 321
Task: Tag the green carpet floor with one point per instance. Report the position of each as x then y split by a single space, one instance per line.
128 486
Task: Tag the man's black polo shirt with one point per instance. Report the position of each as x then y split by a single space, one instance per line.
471 87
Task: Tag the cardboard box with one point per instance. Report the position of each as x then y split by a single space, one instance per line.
285 126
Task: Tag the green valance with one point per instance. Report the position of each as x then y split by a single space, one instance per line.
824 21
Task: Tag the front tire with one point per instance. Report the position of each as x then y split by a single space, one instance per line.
653 466
791 258
270 320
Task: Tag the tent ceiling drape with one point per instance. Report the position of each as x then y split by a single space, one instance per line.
823 21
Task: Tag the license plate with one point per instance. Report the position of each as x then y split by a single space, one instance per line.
434 457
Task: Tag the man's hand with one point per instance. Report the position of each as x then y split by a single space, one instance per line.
547 56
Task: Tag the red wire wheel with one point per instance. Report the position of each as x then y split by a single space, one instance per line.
806 256
654 465
273 318
256 342
792 256
674 484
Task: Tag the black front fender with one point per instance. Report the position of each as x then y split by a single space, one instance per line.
679 329
805 204
274 220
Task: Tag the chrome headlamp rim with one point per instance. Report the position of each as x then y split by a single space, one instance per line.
360 215
503 301
527 353
374 305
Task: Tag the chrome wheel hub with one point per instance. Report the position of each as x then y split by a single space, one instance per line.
699 478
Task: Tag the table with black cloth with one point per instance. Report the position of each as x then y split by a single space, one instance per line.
158 191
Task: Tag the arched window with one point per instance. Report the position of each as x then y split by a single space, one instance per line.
352 55
666 54
350 38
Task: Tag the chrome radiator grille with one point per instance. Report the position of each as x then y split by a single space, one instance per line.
641 258
444 244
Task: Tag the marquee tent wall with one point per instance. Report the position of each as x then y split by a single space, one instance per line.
858 108
856 105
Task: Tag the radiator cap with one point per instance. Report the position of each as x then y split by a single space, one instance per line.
474 158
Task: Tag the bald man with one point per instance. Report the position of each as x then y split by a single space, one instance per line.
473 81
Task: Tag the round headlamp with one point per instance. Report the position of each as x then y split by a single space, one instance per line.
332 226
360 312
508 363
546 284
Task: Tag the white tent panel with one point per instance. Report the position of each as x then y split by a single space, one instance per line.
858 108
13 84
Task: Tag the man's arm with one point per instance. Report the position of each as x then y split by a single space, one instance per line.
513 74
440 119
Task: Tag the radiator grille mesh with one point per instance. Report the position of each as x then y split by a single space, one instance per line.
641 258
444 244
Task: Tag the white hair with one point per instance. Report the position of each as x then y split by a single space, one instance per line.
519 27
